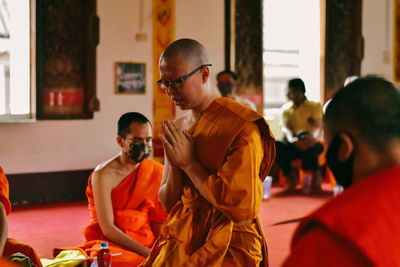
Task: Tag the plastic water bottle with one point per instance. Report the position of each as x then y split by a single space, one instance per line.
337 190
104 256
307 179
267 187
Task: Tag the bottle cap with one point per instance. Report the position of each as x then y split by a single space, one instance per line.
104 244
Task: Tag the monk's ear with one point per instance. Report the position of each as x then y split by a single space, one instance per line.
346 147
120 141
205 74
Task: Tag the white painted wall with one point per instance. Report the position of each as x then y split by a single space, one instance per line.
203 21
45 146
377 29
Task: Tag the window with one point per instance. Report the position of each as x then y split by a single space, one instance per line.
291 48
64 37
15 92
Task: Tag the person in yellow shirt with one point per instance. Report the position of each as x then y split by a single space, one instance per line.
216 159
301 125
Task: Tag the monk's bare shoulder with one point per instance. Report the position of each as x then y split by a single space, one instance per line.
109 165
106 171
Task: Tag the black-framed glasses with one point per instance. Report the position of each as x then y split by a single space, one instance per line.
177 84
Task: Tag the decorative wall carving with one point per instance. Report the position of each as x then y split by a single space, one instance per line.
67 36
248 46
343 44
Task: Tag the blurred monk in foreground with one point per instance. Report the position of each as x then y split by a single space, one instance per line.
216 159
123 196
361 226
9 246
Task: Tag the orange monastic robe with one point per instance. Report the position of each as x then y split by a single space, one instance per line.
235 145
360 227
4 189
13 246
6 263
136 205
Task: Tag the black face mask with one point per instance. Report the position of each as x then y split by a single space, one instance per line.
226 88
139 152
343 171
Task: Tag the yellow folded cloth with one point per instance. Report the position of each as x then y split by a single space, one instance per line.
67 258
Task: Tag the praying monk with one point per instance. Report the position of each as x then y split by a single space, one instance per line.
361 226
123 196
216 159
9 246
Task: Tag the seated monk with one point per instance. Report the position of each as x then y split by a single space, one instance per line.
123 196
216 159
9 246
360 227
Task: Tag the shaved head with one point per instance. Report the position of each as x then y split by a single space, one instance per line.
192 51
369 107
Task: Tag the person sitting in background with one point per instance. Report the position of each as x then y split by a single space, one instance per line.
360 227
301 125
9 246
227 85
123 196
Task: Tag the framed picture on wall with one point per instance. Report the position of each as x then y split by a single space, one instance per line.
130 78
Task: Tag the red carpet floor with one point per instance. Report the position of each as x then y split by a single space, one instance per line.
47 226
60 225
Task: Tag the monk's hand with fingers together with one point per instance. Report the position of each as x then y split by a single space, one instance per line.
178 145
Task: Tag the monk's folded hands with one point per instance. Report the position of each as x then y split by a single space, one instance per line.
178 145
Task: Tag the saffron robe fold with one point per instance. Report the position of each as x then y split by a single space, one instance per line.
4 192
360 227
136 205
6 263
13 246
237 148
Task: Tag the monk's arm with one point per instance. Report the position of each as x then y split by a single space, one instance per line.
236 188
171 186
198 175
3 228
217 187
105 214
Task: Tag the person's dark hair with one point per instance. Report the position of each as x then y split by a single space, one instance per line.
125 121
233 74
297 83
370 107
